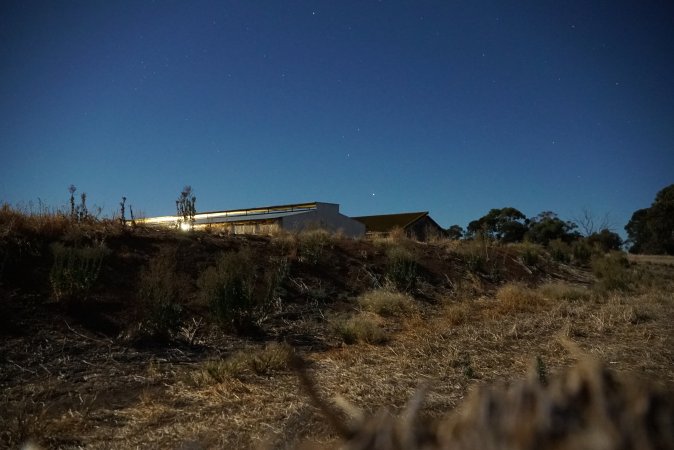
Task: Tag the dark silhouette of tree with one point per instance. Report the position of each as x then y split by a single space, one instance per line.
605 240
506 225
651 230
547 226
455 232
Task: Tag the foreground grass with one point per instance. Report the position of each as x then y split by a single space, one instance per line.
244 407
93 391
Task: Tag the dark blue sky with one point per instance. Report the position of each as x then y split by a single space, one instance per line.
452 107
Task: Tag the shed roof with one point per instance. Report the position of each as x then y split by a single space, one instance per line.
387 222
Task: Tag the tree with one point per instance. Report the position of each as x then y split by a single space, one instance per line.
547 226
605 240
185 205
455 232
506 225
590 224
651 230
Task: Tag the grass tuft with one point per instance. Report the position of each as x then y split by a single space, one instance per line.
387 303
363 328
515 297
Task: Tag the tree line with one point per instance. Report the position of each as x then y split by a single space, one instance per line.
650 230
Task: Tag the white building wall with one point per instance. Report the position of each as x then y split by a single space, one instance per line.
326 216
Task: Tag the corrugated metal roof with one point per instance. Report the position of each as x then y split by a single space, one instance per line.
245 218
387 222
238 215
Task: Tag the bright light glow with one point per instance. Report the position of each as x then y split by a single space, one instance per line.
185 226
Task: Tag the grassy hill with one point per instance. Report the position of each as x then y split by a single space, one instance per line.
116 337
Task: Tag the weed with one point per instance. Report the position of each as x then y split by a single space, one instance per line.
75 270
529 254
162 289
401 270
560 251
273 358
237 294
582 252
386 302
186 208
612 271
312 245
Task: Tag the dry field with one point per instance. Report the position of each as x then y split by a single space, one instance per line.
77 380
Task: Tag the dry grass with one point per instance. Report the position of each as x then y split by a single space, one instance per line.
564 291
272 358
387 303
361 328
667 260
458 313
458 347
515 297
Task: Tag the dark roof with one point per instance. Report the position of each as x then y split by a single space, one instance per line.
387 222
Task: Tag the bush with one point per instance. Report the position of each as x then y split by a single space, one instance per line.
529 254
75 270
612 271
560 251
312 245
402 268
386 302
162 289
476 253
237 294
360 328
582 252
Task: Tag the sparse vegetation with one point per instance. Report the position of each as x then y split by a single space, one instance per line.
239 291
75 270
313 244
163 289
72 378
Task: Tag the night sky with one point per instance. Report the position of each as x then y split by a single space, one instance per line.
452 107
